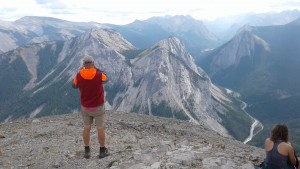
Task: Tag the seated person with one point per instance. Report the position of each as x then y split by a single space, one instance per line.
279 151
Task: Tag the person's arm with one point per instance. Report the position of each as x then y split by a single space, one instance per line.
104 78
74 84
291 155
268 144
297 161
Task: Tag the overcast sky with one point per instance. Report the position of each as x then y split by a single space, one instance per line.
126 11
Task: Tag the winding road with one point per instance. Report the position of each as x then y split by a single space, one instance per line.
255 124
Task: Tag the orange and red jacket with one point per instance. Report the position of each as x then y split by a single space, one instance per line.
90 83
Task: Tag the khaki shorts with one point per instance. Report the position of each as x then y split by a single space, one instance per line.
98 114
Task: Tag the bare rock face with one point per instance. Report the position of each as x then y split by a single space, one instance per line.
134 141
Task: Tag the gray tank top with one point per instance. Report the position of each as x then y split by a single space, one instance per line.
275 159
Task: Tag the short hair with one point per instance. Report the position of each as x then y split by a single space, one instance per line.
280 132
87 59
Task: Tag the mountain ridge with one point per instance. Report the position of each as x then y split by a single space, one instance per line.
163 80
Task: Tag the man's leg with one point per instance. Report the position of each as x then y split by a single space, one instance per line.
100 119
86 134
101 136
86 141
87 125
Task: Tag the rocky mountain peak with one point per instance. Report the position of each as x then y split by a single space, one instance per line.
104 38
166 82
245 28
173 45
176 48
111 39
134 141
242 45
171 41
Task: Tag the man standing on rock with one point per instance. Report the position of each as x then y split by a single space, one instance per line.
90 82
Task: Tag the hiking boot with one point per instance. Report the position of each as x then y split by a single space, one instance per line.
103 152
87 152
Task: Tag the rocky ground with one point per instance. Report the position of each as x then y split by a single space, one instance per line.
134 141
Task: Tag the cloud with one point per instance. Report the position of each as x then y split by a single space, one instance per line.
290 4
41 2
53 4
12 9
122 12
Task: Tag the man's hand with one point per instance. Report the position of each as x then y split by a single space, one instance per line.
74 86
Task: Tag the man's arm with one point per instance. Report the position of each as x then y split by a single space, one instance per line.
104 78
74 84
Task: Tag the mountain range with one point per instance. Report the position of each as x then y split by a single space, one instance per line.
193 33
152 69
162 81
226 27
262 64
34 29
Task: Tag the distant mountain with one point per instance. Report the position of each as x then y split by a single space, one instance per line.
225 28
13 36
35 29
162 81
198 36
262 56
194 34
295 22
142 34
47 28
262 63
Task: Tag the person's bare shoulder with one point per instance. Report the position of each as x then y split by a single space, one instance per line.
268 144
268 141
288 145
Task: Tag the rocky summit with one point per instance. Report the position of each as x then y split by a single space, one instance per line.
134 141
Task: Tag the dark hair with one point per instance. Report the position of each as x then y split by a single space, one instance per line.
280 132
